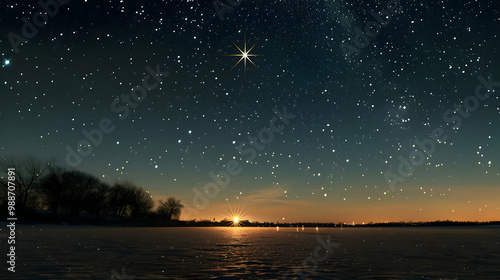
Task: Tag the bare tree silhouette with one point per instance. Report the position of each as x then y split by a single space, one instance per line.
77 185
95 201
120 198
51 191
141 203
170 209
28 174
49 186
125 198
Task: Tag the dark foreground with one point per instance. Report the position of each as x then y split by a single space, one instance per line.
256 253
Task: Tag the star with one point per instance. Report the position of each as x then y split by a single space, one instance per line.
6 62
245 55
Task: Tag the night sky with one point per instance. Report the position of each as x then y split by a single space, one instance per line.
354 107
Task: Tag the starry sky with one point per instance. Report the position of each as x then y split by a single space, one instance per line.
354 115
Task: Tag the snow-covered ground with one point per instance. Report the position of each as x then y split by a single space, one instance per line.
255 253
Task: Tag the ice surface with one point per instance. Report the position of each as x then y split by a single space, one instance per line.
256 253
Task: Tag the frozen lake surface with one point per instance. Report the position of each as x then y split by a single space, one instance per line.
257 253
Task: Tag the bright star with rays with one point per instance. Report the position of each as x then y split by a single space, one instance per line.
244 54
6 62
236 213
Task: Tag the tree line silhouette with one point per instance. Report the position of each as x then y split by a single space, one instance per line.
41 185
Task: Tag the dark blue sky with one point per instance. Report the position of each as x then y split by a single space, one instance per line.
353 119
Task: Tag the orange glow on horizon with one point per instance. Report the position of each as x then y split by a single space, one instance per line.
410 205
